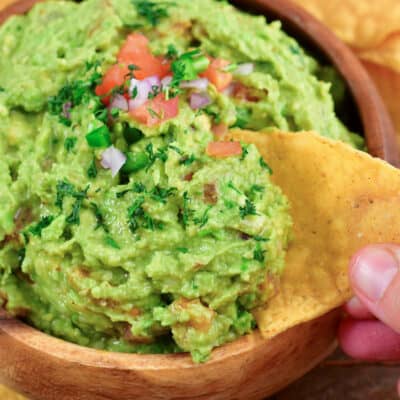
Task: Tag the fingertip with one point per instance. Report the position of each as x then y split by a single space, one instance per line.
356 309
369 340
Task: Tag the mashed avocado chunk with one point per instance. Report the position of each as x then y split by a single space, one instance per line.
128 221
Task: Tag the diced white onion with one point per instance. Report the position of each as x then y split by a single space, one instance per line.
119 102
153 81
113 159
199 84
143 88
199 100
245 69
166 82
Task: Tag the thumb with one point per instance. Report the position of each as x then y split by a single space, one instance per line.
375 278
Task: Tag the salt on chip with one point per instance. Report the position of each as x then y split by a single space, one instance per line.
341 200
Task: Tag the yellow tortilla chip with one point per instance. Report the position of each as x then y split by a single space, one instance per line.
387 53
361 23
341 199
388 83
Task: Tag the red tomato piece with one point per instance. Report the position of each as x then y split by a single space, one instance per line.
156 111
115 76
219 131
224 149
136 51
214 73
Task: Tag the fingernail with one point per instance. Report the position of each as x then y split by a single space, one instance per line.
373 271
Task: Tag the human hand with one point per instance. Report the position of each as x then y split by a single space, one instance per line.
372 330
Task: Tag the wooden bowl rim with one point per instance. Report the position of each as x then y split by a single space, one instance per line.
361 87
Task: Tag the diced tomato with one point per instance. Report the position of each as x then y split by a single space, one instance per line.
219 131
136 51
115 76
214 73
224 149
156 111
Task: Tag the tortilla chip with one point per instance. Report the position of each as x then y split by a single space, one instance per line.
388 83
341 199
361 23
387 53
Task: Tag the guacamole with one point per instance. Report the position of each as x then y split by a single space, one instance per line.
129 220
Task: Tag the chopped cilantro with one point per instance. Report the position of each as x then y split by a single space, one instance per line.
108 240
160 194
2 89
134 93
74 218
248 209
245 151
254 189
135 211
155 91
138 187
176 149
137 217
203 219
64 188
115 112
92 170
99 217
187 160
257 188
213 111
122 194
172 52
153 12
229 204
102 115
36 230
133 67
70 143
161 154
260 239
264 165
73 94
184 250
233 187
187 67
258 253
186 212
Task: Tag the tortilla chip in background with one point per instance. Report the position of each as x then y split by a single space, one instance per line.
371 28
388 83
361 23
341 199
387 53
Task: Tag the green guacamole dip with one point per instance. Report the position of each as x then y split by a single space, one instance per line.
174 251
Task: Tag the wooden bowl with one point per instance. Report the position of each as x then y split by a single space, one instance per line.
46 368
